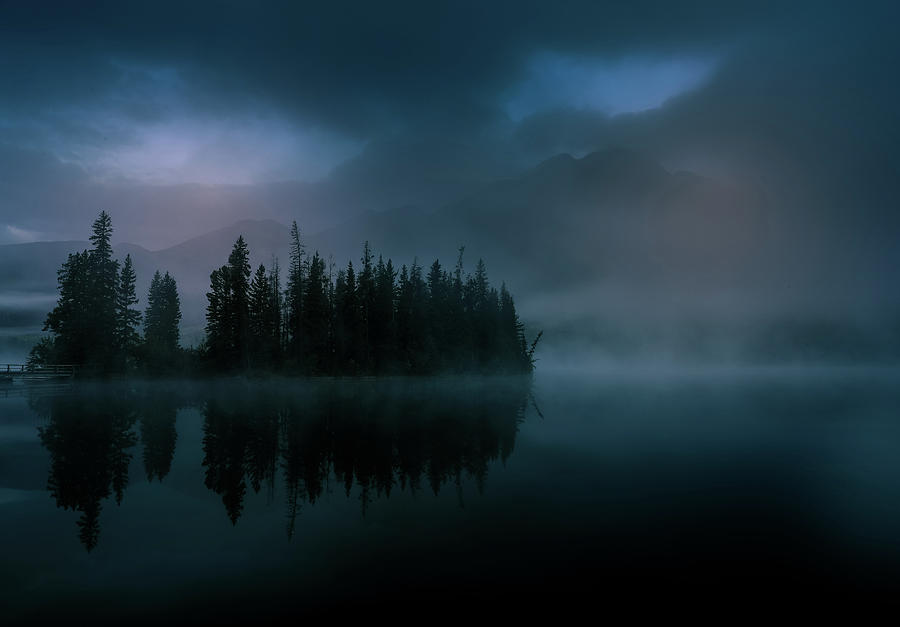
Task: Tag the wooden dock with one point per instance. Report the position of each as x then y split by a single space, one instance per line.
27 372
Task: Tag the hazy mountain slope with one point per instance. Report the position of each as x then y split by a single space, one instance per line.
193 260
565 219
542 232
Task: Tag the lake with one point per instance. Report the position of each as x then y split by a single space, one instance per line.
236 500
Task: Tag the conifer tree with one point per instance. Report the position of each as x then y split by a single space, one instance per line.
510 333
69 321
383 337
153 313
104 275
316 316
262 319
171 314
438 312
294 295
84 320
127 318
457 327
161 323
412 310
348 323
365 290
218 345
339 330
404 309
239 297
276 307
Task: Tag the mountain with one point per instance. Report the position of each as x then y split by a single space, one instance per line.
612 218
614 214
192 261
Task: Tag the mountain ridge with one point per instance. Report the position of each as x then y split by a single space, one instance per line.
616 211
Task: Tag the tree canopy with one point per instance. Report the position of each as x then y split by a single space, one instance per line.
95 322
374 320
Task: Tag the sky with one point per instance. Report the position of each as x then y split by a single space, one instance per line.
179 118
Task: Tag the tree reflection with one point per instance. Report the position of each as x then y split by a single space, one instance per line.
88 441
371 437
158 434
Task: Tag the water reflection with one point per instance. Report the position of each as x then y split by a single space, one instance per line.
158 435
88 441
372 437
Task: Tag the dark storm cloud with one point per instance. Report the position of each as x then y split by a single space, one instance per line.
810 117
421 101
358 68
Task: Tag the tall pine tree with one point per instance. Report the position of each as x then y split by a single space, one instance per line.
84 322
294 296
228 334
102 296
316 316
161 323
262 320
239 313
127 318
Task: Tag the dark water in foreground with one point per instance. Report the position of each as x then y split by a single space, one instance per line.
235 501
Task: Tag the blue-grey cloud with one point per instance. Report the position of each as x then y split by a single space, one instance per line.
129 104
302 86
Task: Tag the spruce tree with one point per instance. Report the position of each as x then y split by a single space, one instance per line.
239 301
70 319
437 313
261 319
104 275
365 290
161 323
316 316
171 319
294 295
339 329
228 336
510 334
383 318
84 321
276 307
218 345
404 308
127 318
419 357
153 322
457 327
349 321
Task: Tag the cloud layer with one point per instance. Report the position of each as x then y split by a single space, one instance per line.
183 118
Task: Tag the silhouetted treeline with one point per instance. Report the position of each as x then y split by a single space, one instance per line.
370 437
372 319
95 323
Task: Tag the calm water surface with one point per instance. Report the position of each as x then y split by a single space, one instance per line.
234 501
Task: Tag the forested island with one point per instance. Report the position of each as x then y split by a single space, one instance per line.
370 320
